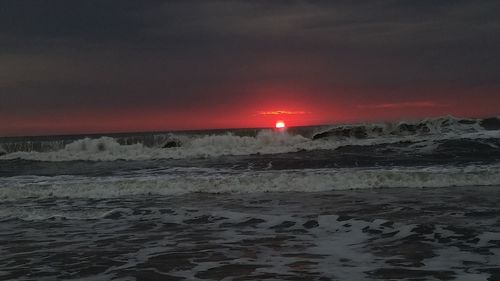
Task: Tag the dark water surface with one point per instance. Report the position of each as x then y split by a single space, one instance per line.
412 234
392 201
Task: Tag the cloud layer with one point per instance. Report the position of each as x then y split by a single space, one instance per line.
147 60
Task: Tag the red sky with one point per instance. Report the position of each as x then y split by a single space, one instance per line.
98 66
298 112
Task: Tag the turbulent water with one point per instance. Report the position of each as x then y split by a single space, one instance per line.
405 200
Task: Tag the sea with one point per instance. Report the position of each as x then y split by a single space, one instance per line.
406 200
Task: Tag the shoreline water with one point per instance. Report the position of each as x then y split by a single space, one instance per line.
431 233
398 201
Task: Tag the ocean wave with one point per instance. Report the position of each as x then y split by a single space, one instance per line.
108 149
426 134
432 126
313 180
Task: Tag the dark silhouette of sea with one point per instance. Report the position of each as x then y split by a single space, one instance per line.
384 201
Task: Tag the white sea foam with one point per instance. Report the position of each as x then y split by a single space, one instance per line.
265 142
430 126
308 180
108 149
276 237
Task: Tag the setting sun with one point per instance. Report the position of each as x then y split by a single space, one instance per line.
280 124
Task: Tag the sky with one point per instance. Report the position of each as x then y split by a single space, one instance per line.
95 66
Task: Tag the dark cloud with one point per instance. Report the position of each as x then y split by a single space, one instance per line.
100 54
72 19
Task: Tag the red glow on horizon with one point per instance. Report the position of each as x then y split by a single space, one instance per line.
261 111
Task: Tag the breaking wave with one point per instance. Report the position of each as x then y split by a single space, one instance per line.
435 126
217 181
171 146
108 149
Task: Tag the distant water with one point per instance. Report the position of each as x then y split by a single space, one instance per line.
415 200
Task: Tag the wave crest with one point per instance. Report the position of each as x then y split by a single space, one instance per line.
426 134
108 149
249 182
435 126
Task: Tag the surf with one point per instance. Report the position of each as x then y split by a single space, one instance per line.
428 133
